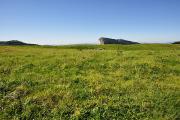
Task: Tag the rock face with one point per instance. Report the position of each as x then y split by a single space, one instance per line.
14 42
115 41
177 42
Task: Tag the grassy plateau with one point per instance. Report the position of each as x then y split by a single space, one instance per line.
96 82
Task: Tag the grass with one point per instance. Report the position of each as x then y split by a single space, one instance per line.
130 82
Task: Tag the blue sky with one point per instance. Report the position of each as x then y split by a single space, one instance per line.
84 21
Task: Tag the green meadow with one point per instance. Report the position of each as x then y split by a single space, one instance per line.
94 82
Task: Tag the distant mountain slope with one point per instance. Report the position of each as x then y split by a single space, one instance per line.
104 40
14 42
177 42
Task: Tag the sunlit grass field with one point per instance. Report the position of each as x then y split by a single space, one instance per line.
97 82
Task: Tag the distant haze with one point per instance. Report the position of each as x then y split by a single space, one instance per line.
57 22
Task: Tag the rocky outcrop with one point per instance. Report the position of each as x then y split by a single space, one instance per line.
14 42
116 41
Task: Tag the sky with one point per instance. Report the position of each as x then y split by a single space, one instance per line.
58 22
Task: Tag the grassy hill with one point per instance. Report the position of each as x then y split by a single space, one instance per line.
129 82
